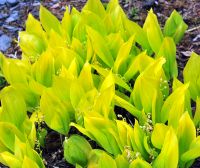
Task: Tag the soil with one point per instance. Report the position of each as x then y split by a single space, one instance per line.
135 9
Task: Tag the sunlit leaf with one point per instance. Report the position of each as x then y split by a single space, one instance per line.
153 31
175 27
158 135
191 74
168 51
49 21
168 156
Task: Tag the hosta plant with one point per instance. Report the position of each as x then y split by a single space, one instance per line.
113 80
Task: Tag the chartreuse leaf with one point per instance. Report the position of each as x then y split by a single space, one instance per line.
107 91
8 134
106 161
177 106
128 106
191 74
139 136
49 21
100 159
147 85
10 160
55 40
57 114
24 151
100 47
27 162
168 51
13 107
85 77
31 45
14 70
37 30
118 80
186 133
197 112
115 9
138 65
153 31
139 163
158 135
140 35
93 20
193 152
43 70
98 127
30 93
114 42
175 27
123 55
67 25
95 7
121 162
168 156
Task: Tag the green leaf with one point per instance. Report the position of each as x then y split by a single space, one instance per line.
138 138
8 134
177 106
98 128
106 161
13 107
57 114
31 45
49 21
158 135
123 55
186 133
121 162
193 152
27 162
191 74
76 150
128 106
139 163
153 31
100 47
118 79
37 30
197 112
43 70
94 21
168 156
107 91
95 7
140 35
168 51
114 42
146 85
175 27
67 25
76 93
14 70
138 64
85 77
10 160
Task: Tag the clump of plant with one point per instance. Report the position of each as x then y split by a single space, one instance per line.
74 73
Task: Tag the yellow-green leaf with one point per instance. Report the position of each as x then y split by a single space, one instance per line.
49 21
168 156
175 27
153 31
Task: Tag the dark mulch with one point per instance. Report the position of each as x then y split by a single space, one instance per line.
136 10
